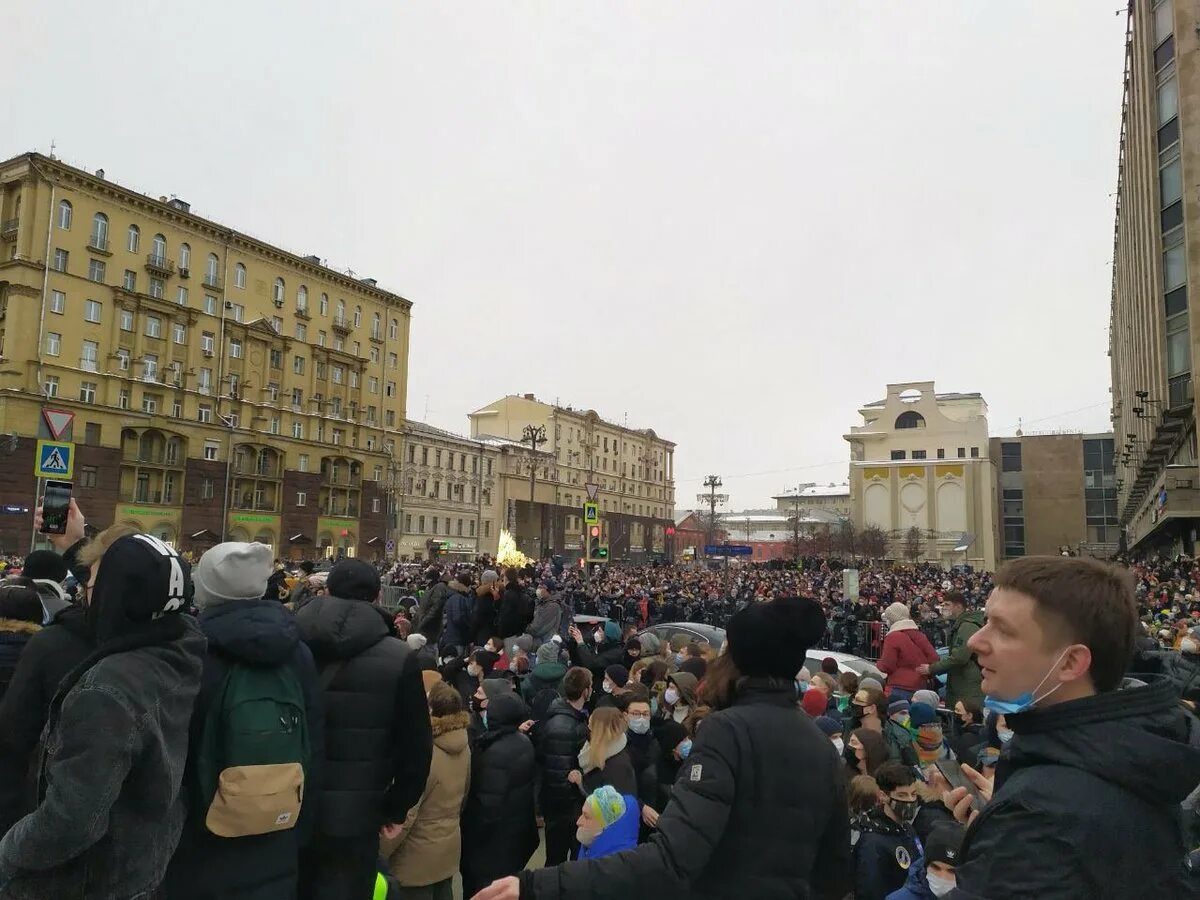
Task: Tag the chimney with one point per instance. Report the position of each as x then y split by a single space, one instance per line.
315 260
369 281
181 205
529 397
99 173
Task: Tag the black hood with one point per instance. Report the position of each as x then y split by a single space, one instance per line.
140 579
505 712
1138 737
259 632
336 628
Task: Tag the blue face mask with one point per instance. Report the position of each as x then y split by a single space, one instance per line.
654 706
1027 700
1005 735
483 718
679 659
685 748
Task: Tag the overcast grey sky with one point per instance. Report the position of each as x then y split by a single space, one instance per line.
733 222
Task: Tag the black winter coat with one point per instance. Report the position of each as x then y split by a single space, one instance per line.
14 635
597 661
48 656
516 612
759 811
483 619
431 612
259 633
499 832
644 754
559 736
378 739
457 630
1087 801
618 773
883 854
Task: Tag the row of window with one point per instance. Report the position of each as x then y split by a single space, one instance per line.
433 524
450 456
941 453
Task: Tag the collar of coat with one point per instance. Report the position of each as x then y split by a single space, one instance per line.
585 755
453 722
19 626
903 625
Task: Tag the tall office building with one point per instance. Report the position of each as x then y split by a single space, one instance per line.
222 388
1152 335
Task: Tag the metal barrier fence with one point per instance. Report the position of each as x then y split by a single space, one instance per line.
865 639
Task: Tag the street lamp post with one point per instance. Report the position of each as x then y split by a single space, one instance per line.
535 436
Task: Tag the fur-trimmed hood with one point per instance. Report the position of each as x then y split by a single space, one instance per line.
450 732
19 626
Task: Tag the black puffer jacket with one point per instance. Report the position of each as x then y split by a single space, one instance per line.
560 736
759 811
48 656
1087 801
378 740
258 633
431 612
498 827
515 613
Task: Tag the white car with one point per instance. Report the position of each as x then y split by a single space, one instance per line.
846 663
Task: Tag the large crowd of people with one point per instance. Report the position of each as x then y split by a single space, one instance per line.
238 728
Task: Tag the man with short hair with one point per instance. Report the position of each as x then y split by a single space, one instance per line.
1092 751
887 844
558 738
959 665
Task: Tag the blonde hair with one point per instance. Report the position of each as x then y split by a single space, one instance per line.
98 546
607 726
862 793
826 680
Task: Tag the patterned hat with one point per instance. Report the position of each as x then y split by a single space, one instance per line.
605 804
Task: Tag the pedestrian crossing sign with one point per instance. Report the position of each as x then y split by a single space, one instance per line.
591 513
55 459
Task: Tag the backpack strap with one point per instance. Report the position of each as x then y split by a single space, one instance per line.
330 672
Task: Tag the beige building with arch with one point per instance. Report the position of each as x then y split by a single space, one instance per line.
920 459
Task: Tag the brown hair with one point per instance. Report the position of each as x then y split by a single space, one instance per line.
826 681
876 699
874 746
849 683
692 723
862 793
720 682
444 700
97 546
636 693
605 728
1080 601
576 683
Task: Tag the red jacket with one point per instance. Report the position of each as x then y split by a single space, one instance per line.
904 649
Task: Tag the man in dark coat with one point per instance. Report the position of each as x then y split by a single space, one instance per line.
887 845
959 666
487 596
245 625
1090 752
559 736
459 617
110 812
378 738
499 832
515 611
431 610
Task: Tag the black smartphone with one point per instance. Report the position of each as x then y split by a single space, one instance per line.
56 504
954 776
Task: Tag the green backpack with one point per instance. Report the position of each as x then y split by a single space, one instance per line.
253 753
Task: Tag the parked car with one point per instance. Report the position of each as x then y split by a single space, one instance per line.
846 663
704 634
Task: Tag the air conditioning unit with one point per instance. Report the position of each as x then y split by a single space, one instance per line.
229 304
279 304
183 272
208 354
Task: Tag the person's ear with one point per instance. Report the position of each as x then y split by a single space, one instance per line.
1076 663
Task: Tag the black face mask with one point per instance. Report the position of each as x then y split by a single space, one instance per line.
850 755
856 715
477 706
905 810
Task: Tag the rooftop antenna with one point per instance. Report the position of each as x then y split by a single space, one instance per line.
52 147
426 419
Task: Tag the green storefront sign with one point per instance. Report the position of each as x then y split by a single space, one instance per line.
336 525
146 512
253 519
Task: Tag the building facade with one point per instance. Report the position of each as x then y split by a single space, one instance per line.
1057 492
633 472
830 501
920 460
222 388
1153 338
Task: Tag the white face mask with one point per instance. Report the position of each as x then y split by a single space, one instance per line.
607 686
598 636
940 886
670 696
839 745
474 671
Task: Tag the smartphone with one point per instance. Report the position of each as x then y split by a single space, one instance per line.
56 504
954 776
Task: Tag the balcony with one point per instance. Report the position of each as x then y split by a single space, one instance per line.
335 508
8 229
159 265
303 313
256 469
98 243
377 336
210 280
170 460
342 325
184 272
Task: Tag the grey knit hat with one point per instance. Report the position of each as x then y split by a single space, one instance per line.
232 571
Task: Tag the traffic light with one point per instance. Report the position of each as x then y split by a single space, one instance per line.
596 551
670 531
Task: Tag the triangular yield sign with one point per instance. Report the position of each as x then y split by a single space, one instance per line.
592 490
58 421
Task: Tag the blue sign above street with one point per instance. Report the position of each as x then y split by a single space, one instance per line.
728 550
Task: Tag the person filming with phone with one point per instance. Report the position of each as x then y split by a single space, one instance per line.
1086 795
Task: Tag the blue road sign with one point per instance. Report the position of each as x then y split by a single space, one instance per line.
55 459
728 550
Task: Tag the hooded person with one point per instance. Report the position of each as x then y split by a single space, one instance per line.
47 570
378 739
247 630
111 808
678 702
907 654
760 810
21 615
546 675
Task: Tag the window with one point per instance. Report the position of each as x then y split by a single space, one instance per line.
303 462
320 339
100 231
277 324
337 373
149 367
153 327
393 360
301 498
910 419
96 269
1010 456
89 356
185 257
941 453
390 418
339 343
390 391
974 453
298 365
297 396
916 454
179 333
158 249
235 348
238 311
129 281
64 215
53 343
157 287
301 331
376 329
274 425
87 392
1163 24
60 260
277 291
210 269
353 379
320 370
394 329
206 489
87 476
372 384
962 452
302 298
50 387
210 304
205 413
134 239
357 316
207 342
123 359
239 276
420 524
181 295
58 302
204 381
123 398
1014 522
338 435
150 403
324 304
298 431
234 383
210 450
899 454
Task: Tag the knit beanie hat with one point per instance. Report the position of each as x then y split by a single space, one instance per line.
650 642
944 843
489 577
495 687
612 632
869 682
772 639
921 714
232 571
618 675
814 702
416 641
929 742
353 579
895 613
829 726
927 696
140 579
547 653
45 564
605 804
897 706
